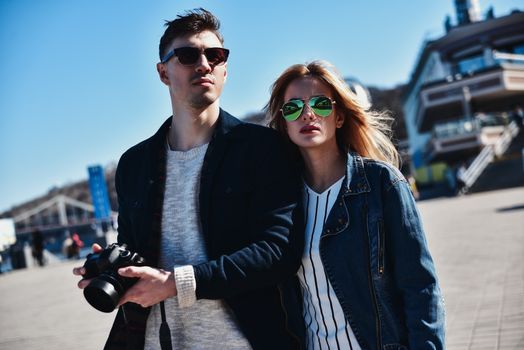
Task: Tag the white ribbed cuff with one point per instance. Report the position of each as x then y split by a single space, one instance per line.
185 285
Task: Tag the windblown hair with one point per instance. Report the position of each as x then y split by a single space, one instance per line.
191 22
365 132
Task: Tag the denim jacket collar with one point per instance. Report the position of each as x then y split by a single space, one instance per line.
356 181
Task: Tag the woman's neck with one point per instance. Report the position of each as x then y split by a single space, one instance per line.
323 167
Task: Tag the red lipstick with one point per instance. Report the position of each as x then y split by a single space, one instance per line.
309 129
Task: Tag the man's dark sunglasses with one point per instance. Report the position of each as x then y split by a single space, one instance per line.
188 56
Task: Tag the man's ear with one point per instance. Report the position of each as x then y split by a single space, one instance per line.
225 73
162 73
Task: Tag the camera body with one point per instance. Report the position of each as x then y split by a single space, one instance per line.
107 286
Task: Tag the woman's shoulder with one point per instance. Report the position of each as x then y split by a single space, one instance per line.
380 171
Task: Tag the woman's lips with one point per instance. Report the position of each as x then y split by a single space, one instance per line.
309 129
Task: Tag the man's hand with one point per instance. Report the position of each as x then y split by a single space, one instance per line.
80 271
154 285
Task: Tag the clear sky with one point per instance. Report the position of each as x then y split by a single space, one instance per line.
78 84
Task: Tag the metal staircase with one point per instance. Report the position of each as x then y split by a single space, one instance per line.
489 154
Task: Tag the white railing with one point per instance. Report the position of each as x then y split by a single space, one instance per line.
488 153
479 164
505 139
508 57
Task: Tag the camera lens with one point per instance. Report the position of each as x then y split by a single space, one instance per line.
103 293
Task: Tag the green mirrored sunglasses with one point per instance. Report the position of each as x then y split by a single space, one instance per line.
320 105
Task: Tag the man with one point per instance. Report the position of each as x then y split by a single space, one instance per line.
38 247
208 200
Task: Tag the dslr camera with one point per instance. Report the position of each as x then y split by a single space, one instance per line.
107 286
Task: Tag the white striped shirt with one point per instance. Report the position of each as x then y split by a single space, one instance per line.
327 327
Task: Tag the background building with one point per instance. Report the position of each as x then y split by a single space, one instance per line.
464 92
62 212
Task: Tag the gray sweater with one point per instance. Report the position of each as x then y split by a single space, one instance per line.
194 324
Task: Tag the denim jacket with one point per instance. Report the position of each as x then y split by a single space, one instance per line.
376 257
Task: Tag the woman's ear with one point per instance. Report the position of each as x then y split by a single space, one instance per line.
339 121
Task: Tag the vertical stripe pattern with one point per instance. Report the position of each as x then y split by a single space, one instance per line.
327 327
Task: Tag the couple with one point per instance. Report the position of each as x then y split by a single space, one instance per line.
303 237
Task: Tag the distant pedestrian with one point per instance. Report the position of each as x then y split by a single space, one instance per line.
71 246
76 245
38 247
460 179
66 246
16 255
517 115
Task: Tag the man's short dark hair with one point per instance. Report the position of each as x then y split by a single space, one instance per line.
191 22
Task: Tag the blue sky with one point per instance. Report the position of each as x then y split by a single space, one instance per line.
78 84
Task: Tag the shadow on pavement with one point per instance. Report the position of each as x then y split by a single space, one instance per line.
511 208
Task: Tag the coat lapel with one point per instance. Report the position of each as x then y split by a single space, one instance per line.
212 161
155 193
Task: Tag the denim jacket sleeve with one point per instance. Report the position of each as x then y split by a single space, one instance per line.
414 271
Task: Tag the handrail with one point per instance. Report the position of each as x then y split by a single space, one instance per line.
505 139
56 200
507 56
488 153
479 164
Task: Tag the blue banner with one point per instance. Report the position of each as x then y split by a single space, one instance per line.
99 195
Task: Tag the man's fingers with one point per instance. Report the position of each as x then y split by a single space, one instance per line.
131 271
79 271
96 248
83 283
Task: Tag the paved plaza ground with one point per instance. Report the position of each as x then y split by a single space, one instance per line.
477 242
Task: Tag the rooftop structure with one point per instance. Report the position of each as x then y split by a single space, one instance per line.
465 87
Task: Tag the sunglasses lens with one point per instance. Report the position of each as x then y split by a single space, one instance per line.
291 110
190 55
187 55
321 105
216 55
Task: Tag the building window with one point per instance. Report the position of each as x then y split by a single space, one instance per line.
454 128
519 49
470 65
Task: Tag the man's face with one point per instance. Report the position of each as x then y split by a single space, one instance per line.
199 85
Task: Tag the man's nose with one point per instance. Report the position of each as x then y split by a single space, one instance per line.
203 66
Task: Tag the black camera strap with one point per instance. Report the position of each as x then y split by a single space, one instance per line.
165 332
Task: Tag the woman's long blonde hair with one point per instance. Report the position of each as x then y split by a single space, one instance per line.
364 132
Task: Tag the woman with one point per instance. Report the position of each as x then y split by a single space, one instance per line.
367 279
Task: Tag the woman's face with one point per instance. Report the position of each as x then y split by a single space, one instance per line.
310 130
